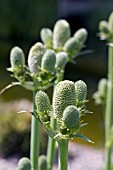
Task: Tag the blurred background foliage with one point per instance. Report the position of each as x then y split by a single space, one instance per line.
20 25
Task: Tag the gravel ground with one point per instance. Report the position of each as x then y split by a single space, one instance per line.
80 157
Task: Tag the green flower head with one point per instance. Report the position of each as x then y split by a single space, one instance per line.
61 33
24 164
64 95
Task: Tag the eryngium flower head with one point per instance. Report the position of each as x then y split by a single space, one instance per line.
64 95
102 87
71 117
61 60
61 33
81 35
42 103
17 58
35 57
48 61
71 47
80 90
46 36
24 164
42 162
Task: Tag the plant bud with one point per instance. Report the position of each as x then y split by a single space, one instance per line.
35 57
42 103
42 162
46 36
81 35
17 58
64 95
61 60
102 87
80 90
61 33
71 47
110 22
103 27
48 61
71 117
24 164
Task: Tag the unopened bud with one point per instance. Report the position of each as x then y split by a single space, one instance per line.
42 162
35 57
61 33
48 61
42 102
24 164
46 36
80 90
17 58
103 27
61 60
71 117
81 35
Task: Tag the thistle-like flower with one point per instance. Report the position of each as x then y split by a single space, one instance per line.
17 59
71 118
24 164
64 95
61 60
42 162
81 92
35 57
81 36
43 106
61 33
48 61
47 37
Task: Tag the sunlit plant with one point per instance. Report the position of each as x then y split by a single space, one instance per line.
104 95
45 68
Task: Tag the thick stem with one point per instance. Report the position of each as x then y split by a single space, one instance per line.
34 147
63 154
109 108
51 148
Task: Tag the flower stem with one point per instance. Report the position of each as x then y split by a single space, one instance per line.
109 108
63 154
34 148
51 148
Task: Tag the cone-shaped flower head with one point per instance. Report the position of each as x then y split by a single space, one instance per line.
64 95
71 46
42 162
102 87
17 58
48 61
103 27
71 117
110 22
81 91
24 164
42 103
46 36
61 60
35 57
61 33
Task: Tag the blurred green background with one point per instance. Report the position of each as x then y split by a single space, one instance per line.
20 25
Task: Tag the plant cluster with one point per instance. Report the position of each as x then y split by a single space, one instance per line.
45 68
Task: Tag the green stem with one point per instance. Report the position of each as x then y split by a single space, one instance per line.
51 148
34 148
51 143
63 154
109 108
